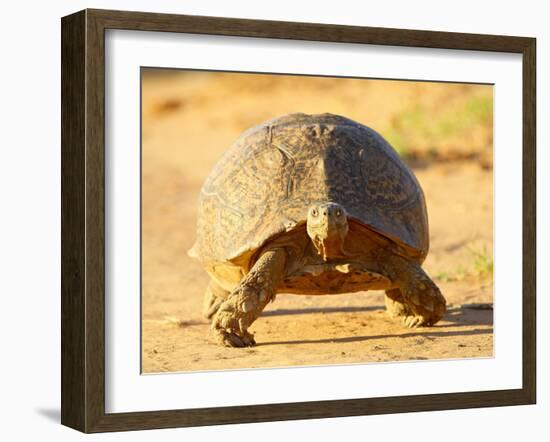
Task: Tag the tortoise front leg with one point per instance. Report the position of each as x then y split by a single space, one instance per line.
415 296
246 302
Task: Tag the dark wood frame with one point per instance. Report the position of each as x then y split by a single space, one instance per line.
83 220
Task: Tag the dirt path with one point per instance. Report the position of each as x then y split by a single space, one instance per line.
188 122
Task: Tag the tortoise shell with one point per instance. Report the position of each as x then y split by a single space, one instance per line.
266 181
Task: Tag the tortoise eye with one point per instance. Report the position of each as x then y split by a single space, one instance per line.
314 212
338 212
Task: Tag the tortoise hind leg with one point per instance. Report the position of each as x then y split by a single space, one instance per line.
213 298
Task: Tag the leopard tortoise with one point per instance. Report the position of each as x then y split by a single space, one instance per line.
311 204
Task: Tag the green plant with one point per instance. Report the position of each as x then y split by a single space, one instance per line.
483 262
419 126
458 275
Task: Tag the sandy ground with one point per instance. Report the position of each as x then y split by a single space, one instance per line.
189 120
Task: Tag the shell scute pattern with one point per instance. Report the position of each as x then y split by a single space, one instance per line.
268 179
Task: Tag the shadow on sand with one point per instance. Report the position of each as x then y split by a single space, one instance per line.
455 317
310 310
428 333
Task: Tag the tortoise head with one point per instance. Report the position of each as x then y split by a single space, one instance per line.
327 226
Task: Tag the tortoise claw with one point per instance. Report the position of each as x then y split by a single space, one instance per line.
413 321
230 339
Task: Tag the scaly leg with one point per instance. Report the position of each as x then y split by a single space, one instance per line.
246 302
416 298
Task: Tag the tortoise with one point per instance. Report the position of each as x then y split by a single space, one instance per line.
311 204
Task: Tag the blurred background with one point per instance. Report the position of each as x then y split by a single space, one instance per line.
442 130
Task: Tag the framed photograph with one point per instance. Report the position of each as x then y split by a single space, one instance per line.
267 220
